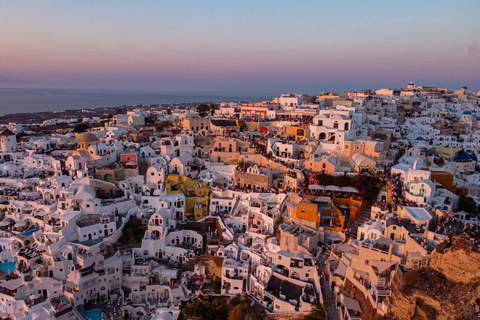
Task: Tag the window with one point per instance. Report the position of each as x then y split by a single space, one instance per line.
367 262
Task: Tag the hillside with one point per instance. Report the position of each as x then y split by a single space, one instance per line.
448 289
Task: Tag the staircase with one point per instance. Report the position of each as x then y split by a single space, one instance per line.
363 218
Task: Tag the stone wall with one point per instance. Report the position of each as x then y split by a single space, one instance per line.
252 180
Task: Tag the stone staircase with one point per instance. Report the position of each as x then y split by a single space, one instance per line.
363 218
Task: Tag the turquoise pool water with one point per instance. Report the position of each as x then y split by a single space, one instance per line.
94 314
29 233
8 267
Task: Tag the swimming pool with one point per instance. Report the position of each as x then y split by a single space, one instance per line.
29 233
94 314
8 267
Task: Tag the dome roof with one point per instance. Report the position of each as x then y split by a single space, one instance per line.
419 139
88 137
85 192
467 112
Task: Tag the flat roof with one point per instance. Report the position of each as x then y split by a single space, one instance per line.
420 214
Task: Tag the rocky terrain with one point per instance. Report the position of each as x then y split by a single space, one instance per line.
448 289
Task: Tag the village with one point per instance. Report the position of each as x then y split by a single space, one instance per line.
303 206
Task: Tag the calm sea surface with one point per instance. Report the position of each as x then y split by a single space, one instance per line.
38 100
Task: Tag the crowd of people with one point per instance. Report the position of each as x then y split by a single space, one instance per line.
452 226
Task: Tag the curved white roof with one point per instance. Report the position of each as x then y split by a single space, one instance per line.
85 192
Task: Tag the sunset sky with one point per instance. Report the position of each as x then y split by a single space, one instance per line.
225 46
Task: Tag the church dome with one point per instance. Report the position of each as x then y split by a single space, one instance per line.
88 137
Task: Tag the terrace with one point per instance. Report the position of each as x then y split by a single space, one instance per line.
61 305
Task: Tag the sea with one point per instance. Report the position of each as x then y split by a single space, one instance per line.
22 100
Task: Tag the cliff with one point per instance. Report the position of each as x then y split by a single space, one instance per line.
448 289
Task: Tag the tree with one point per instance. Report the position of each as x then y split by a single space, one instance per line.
175 131
236 313
81 127
161 126
99 124
203 107
467 204
317 313
242 125
203 114
279 221
169 111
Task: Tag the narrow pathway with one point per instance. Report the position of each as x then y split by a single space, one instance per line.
328 298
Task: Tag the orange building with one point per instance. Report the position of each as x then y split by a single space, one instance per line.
324 211
257 111
319 210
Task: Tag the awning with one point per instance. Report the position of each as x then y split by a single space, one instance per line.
350 189
5 222
316 187
352 304
334 238
383 240
383 265
21 224
341 269
333 188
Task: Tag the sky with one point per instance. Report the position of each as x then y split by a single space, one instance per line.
239 46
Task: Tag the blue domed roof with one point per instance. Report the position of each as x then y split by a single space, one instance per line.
419 139
462 155
467 112
188 109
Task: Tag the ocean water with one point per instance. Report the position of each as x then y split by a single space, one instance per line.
14 100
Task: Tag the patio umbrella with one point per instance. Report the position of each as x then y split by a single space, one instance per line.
350 189
316 187
333 188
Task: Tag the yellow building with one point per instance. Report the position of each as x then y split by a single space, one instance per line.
448 153
196 195
298 133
